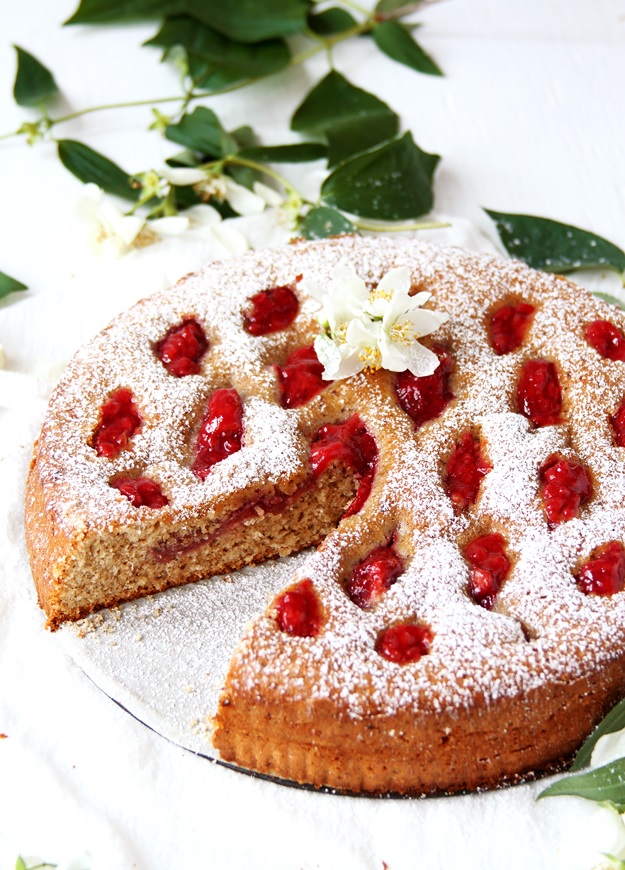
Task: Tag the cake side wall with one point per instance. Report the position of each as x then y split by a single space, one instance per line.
418 752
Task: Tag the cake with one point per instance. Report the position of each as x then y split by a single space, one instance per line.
461 623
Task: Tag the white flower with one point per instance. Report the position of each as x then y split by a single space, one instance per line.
225 240
242 200
115 232
209 185
183 176
118 233
602 836
151 184
269 194
378 328
609 748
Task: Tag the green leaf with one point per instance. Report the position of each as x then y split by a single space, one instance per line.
322 222
9 285
335 101
183 158
384 6
20 864
606 783
392 182
245 137
185 197
350 119
250 20
119 11
614 721
91 167
244 175
401 7
215 60
554 247
354 137
395 41
211 77
34 83
302 152
202 131
611 300
331 21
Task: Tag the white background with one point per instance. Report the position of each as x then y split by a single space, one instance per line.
529 118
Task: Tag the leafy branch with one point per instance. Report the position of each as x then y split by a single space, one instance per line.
378 178
219 50
227 53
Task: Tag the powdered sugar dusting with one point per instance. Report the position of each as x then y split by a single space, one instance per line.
540 614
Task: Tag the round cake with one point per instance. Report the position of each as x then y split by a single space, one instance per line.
461 623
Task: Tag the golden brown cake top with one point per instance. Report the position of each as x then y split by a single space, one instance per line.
542 626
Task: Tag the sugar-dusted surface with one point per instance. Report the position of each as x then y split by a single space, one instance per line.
540 617
542 628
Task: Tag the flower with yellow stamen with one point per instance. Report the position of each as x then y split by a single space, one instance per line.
373 328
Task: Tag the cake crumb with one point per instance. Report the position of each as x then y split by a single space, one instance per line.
89 625
203 728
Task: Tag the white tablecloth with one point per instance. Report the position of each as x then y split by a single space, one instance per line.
528 118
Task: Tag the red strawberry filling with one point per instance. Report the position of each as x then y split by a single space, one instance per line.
270 310
374 576
300 378
508 326
606 339
221 431
351 443
298 612
539 396
466 468
604 574
403 644
119 420
182 348
490 567
275 503
141 491
618 425
567 488
425 398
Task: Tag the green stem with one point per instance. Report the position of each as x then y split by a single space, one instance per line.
357 8
325 44
402 11
107 106
398 228
330 41
291 191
